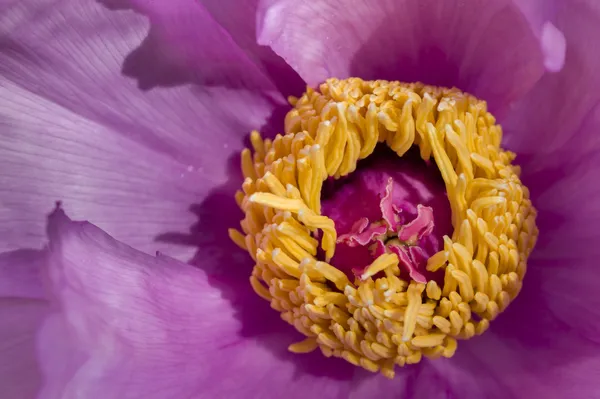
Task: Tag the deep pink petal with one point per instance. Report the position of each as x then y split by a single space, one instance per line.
488 48
131 159
129 325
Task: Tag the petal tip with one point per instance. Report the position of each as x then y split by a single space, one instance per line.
554 47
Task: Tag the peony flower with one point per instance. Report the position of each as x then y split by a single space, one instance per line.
133 115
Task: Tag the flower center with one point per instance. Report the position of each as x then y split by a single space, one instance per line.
414 294
387 206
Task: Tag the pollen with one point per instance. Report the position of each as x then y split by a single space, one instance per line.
379 320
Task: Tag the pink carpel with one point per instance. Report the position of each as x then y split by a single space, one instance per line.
421 226
388 210
386 206
362 233
407 262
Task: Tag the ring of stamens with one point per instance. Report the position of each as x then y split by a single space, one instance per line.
380 322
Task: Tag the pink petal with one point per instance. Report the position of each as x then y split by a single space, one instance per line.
132 160
485 47
129 325
419 259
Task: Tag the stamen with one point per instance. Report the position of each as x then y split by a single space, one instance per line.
384 318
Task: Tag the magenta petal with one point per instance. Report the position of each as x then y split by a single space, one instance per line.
564 104
485 47
75 129
129 325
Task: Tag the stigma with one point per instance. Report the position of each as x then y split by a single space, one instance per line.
420 288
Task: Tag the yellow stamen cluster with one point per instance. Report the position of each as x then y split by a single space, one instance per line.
380 322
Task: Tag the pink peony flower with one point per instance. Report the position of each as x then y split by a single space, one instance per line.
133 114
